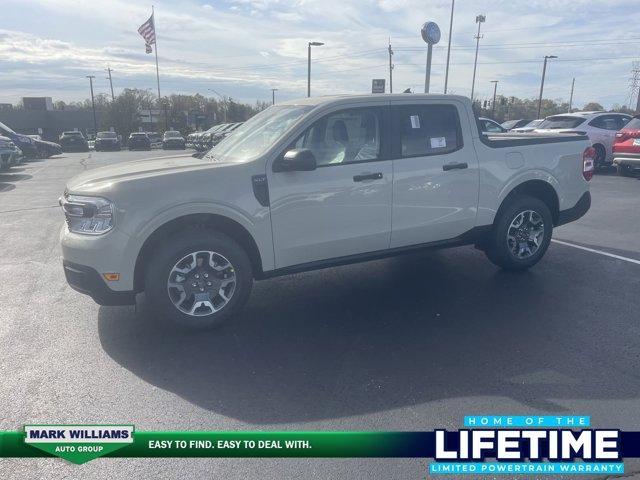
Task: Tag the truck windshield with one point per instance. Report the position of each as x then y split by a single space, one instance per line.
6 129
554 123
256 135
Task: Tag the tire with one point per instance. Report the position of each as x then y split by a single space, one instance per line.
625 171
601 157
499 248
178 249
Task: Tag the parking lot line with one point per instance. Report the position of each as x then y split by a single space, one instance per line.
606 254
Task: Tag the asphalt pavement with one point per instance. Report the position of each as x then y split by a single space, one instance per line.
409 343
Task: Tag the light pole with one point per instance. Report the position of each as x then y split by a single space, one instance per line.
273 96
311 44
573 83
446 75
544 72
224 104
493 103
93 104
480 19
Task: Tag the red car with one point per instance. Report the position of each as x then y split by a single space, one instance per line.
626 147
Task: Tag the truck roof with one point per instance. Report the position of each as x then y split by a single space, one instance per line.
329 99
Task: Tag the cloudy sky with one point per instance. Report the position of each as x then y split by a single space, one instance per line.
243 48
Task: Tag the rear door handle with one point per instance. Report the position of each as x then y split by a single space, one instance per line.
367 176
455 166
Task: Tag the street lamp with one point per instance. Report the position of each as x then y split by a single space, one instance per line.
544 72
273 96
93 104
480 19
311 44
493 104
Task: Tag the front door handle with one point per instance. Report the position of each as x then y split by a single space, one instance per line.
367 176
455 166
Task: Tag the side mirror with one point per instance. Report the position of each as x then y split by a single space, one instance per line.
297 160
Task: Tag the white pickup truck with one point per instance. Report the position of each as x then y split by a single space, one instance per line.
314 183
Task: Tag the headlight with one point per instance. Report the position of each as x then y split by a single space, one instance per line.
88 215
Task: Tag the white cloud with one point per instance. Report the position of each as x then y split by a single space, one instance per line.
246 47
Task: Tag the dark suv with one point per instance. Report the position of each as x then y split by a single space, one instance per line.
106 141
139 141
173 140
73 142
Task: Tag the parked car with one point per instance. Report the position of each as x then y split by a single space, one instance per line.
529 127
626 148
190 140
107 141
73 141
156 139
173 140
490 126
10 155
139 141
313 183
600 127
513 124
203 140
30 147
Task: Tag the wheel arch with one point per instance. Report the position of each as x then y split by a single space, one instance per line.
220 223
537 188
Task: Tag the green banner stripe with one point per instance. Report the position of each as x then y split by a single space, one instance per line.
241 444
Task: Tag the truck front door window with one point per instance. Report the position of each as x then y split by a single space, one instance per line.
347 136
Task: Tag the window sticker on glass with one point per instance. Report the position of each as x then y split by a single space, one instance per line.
438 142
415 121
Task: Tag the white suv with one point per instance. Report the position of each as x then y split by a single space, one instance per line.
600 127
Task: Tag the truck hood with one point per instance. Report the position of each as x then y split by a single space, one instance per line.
105 178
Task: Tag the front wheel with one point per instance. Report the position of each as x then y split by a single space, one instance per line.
198 278
521 234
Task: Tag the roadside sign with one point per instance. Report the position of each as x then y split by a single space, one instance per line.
377 85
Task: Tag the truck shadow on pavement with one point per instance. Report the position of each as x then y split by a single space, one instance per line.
394 333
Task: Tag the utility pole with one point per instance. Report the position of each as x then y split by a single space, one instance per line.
390 67
273 96
311 44
113 97
634 82
446 75
480 19
544 72
93 104
493 103
573 83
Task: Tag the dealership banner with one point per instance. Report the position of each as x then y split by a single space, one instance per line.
485 445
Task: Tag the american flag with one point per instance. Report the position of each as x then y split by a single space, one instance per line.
148 32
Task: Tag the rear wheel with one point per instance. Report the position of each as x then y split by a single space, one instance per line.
198 278
601 156
521 235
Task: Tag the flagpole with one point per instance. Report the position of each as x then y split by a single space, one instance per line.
155 30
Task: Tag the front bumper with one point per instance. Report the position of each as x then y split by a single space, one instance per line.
631 159
114 146
574 213
86 280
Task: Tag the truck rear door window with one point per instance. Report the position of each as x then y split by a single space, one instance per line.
421 130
